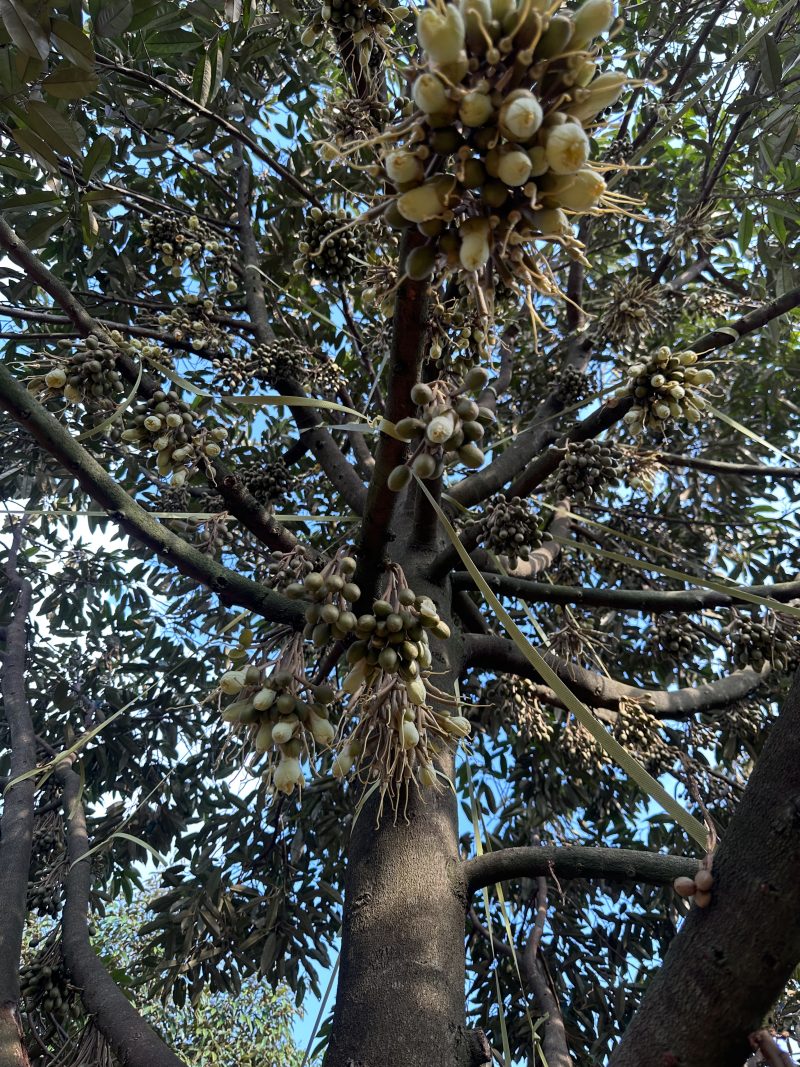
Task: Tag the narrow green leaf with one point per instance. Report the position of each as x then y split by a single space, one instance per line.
68 82
113 18
73 44
98 156
746 226
24 30
201 81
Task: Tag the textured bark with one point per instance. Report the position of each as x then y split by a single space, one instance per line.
400 999
576 861
16 830
132 1039
730 961
12 1051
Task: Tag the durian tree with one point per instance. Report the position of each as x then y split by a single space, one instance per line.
399 449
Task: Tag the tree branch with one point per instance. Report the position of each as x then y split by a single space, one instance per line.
308 421
731 960
644 600
502 656
134 1041
717 466
231 587
408 341
16 827
613 410
574 861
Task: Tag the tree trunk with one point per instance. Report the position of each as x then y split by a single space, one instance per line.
12 1050
731 960
400 1000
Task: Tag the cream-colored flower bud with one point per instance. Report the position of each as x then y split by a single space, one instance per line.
441 428
475 249
430 94
575 192
514 168
475 109
56 378
264 699
283 731
520 116
288 774
426 201
585 72
538 158
409 735
232 682
604 91
402 166
322 731
427 775
567 148
457 726
263 742
441 35
551 221
592 18
153 423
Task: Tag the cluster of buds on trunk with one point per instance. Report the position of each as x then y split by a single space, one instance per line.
449 428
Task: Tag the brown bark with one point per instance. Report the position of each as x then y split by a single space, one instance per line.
12 1050
133 1040
16 829
731 960
400 999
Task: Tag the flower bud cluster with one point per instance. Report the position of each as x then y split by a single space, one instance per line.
327 246
166 425
509 528
663 389
760 642
178 238
84 371
449 428
587 469
674 638
494 157
191 320
282 713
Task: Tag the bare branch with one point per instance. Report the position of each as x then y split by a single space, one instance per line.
134 1041
502 656
740 470
574 861
232 588
654 601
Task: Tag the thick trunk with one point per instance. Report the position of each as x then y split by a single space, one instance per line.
12 1050
731 960
16 826
400 999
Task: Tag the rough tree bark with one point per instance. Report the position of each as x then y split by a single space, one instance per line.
134 1040
16 829
400 998
730 961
